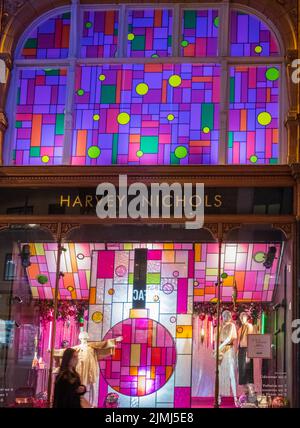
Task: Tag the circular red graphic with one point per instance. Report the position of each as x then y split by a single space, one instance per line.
143 361
121 270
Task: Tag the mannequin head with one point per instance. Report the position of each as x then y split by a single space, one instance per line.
226 316
244 318
83 337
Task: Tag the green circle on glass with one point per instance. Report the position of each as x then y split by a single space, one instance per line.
181 152
217 21
184 43
224 275
259 257
80 92
88 24
253 159
272 74
94 152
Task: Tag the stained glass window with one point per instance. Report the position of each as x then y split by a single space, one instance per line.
242 265
99 37
75 265
137 99
250 36
39 125
148 114
149 33
200 33
170 267
254 115
49 40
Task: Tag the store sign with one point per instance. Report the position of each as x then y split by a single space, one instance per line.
83 201
260 346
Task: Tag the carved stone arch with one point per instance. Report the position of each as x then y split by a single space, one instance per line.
213 229
4 226
285 228
228 227
66 228
52 228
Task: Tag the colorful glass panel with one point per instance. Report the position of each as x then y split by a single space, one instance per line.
200 33
49 40
153 331
39 126
75 265
249 36
254 115
242 265
146 114
99 37
149 33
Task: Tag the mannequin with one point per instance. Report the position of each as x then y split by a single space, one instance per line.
89 354
245 364
227 364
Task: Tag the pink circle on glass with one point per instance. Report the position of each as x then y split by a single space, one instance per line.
121 270
144 368
172 319
175 273
80 256
168 288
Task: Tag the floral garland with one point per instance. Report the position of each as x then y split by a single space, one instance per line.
253 310
65 309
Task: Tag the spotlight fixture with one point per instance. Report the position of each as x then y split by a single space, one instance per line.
269 259
25 256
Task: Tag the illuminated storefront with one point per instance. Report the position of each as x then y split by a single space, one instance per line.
165 94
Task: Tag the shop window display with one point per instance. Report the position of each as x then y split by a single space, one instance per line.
168 330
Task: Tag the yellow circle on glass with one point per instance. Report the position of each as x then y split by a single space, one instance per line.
130 36
175 80
258 49
171 117
45 159
102 77
206 130
96 117
123 118
111 291
142 89
264 118
70 289
97 317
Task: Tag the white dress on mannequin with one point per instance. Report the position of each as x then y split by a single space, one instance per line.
227 367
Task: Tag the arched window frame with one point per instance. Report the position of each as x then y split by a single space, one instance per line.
223 59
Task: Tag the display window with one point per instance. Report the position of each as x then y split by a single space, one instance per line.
145 317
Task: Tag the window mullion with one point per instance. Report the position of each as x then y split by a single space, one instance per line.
73 51
177 31
223 52
122 32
